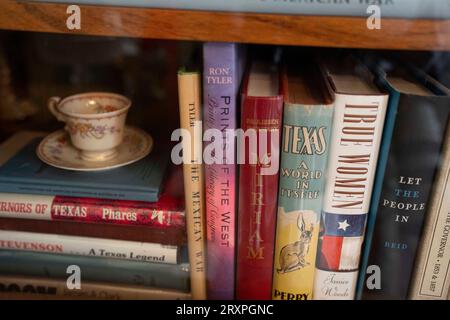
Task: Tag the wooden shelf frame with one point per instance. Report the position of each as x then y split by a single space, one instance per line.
320 31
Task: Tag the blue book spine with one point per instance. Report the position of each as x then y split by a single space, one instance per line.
410 152
96 269
300 197
18 186
410 9
140 181
388 130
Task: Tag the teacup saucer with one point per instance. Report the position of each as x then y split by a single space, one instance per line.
57 150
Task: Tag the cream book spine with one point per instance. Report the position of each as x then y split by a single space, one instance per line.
431 279
87 246
189 91
354 148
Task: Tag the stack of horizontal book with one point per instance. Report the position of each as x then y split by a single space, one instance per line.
114 234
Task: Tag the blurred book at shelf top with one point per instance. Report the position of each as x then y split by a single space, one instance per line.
433 9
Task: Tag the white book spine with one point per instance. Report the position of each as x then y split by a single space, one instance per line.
355 141
86 246
26 206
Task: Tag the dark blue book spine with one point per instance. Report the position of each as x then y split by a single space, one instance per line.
10 186
23 172
96 269
409 157
388 130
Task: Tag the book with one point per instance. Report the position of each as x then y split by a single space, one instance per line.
222 73
85 246
412 141
359 113
189 91
261 118
431 275
165 236
14 143
429 9
21 287
167 212
39 264
25 173
308 113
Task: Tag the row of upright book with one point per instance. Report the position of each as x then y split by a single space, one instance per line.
325 177
306 176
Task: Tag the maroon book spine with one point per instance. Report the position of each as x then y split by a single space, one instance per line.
165 236
258 190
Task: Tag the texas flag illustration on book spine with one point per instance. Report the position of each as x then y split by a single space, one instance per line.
340 241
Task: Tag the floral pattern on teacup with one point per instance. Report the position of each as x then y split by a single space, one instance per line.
87 130
105 109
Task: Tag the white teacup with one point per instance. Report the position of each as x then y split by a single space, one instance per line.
95 122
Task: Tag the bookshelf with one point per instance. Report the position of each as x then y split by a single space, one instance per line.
161 40
316 31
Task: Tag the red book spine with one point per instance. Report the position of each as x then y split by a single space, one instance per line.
165 236
155 214
168 211
258 200
91 210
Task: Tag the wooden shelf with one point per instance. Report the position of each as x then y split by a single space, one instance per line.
346 32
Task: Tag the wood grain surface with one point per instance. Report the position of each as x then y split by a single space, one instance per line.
346 32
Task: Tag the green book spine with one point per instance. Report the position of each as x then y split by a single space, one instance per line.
304 151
